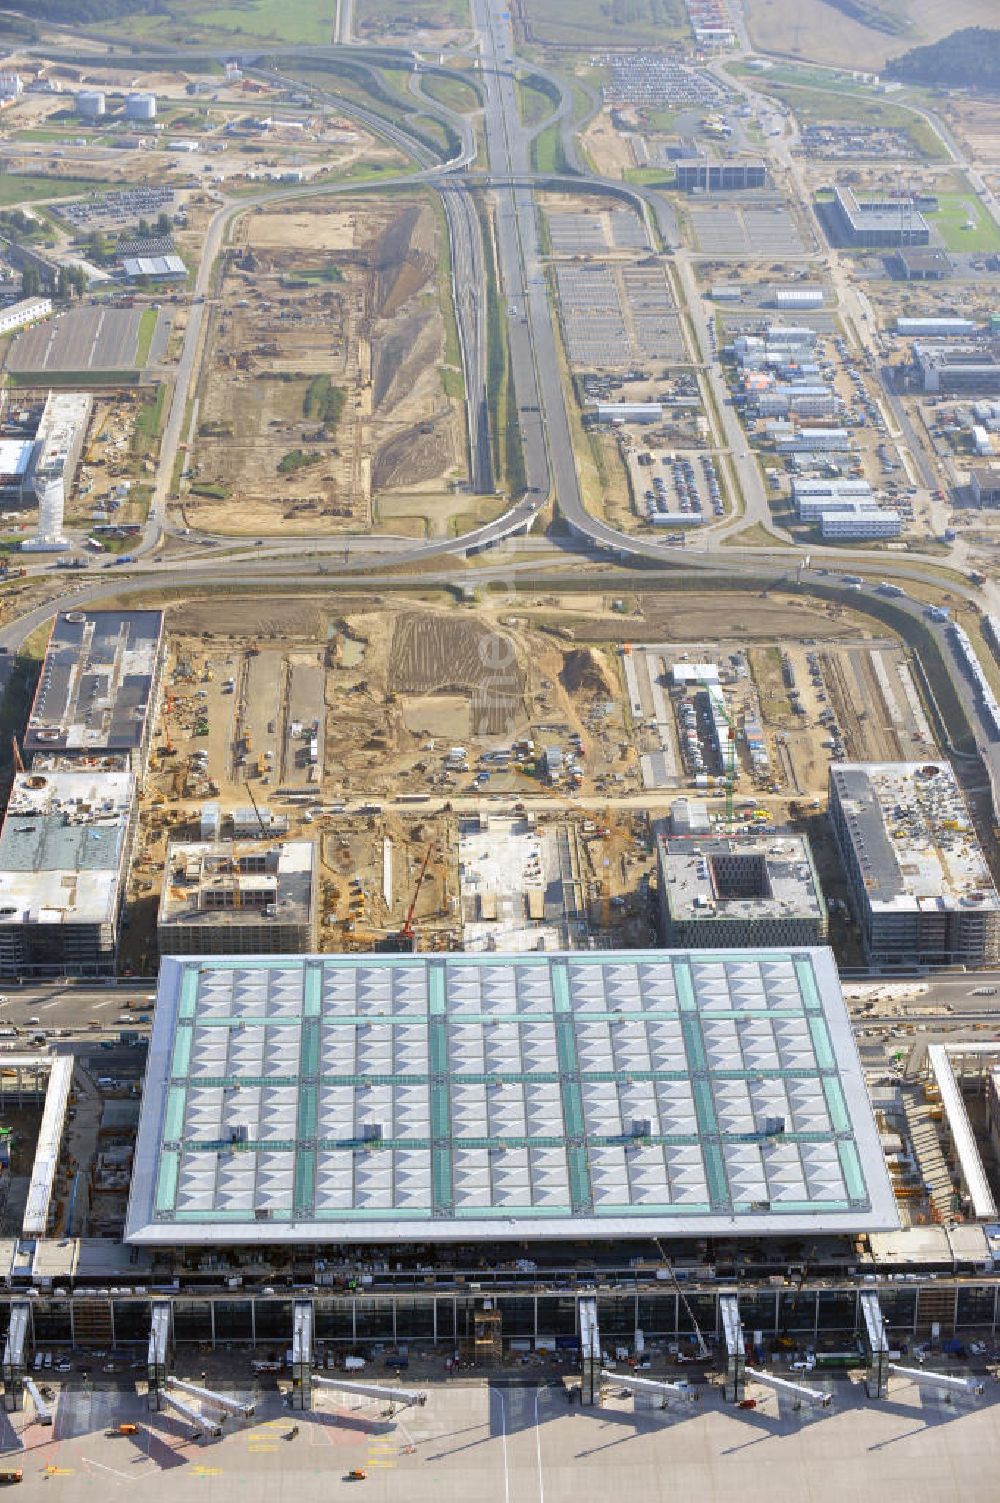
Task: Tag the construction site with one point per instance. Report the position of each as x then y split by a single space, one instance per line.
328 399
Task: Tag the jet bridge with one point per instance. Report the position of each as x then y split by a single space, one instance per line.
653 1387
187 1411
590 1352
404 1396
15 1355
302 1354
158 1356
800 1393
43 1410
876 1344
734 1386
945 1381
221 1401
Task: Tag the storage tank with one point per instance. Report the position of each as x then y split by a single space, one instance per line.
90 103
140 107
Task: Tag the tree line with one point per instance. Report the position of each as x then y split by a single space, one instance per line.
965 59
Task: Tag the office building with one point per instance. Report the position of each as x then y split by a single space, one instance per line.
65 848
30 310
920 884
58 447
873 224
223 898
739 891
16 489
954 369
859 520
98 686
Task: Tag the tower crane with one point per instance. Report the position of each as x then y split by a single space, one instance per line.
406 934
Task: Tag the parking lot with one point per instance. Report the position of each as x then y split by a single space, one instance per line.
82 339
674 482
499 1443
767 231
121 206
618 317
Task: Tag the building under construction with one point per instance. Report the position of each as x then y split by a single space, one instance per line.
740 890
241 898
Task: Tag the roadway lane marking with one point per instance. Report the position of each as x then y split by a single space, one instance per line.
124 1475
538 1452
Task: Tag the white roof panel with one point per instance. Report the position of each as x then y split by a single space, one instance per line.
330 1099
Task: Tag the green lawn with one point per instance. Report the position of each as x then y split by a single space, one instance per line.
18 189
147 328
598 23
547 151
309 21
533 103
957 210
454 93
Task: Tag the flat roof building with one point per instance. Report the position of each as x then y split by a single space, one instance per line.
984 483
696 174
950 368
31 310
154 268
859 519
870 223
739 891
920 264
407 1099
97 690
920 884
58 446
65 847
15 463
223 898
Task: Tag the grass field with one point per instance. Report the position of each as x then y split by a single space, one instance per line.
547 153
396 17
606 23
956 211
534 105
147 328
15 189
820 32
454 93
309 21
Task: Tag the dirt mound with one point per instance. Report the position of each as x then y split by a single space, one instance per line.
584 672
402 259
413 456
401 355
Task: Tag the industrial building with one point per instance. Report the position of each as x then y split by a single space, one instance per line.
30 310
97 690
65 848
919 881
91 104
919 264
154 269
140 106
950 369
794 299
696 174
224 898
739 891
936 328
58 447
873 223
984 483
406 1099
860 520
